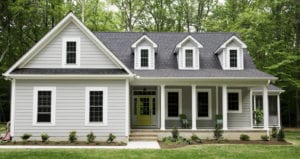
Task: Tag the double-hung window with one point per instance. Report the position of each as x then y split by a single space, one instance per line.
204 103
233 58
189 58
144 57
96 106
44 105
173 103
234 101
71 52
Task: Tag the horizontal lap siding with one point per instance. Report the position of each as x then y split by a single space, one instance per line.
70 108
237 120
90 55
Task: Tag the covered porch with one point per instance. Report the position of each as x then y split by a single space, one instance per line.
159 106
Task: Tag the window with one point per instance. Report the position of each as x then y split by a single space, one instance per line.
173 103
233 58
144 57
71 52
188 58
234 101
96 100
273 105
204 104
44 105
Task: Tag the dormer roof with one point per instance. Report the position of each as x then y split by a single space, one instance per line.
189 37
144 37
232 38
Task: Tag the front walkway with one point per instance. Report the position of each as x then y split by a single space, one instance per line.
130 145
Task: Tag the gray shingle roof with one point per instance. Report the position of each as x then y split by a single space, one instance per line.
67 71
270 87
165 61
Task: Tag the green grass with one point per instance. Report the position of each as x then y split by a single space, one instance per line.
190 152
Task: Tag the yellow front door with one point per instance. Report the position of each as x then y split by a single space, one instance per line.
144 107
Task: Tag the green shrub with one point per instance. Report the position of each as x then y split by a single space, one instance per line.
259 116
44 137
265 137
111 138
72 136
175 133
25 137
195 138
244 137
218 132
280 135
274 132
91 137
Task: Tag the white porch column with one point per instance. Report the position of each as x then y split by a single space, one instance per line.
162 107
278 110
194 110
224 106
266 109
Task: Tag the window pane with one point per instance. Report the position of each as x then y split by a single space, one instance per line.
233 58
71 53
202 104
96 106
145 106
173 104
233 101
259 102
188 58
273 105
144 58
44 106
153 106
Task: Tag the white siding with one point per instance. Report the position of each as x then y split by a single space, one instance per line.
70 108
90 55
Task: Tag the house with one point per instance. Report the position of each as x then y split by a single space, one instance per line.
123 82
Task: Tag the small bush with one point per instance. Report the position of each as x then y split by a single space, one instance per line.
72 136
244 137
265 137
274 132
25 137
280 135
111 138
44 137
91 137
218 132
195 138
175 133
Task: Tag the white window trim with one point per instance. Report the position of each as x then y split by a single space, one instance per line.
184 58
239 58
151 58
239 91
64 52
179 103
35 105
209 104
87 106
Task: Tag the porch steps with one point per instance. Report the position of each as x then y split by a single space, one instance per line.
142 136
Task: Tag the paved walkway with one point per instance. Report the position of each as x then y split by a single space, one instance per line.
130 145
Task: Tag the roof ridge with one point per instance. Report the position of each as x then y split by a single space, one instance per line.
145 33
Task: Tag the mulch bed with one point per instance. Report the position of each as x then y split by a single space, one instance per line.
64 143
251 142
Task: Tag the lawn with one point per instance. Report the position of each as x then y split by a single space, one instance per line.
190 152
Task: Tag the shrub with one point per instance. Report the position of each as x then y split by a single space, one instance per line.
265 137
25 137
244 137
195 138
274 132
72 136
259 116
91 137
218 132
280 135
44 137
111 138
175 133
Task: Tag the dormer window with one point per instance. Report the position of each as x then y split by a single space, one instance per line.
189 59
144 57
233 59
144 53
71 52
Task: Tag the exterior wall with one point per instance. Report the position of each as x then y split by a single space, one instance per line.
90 55
70 109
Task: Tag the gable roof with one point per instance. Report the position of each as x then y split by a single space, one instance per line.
189 37
142 38
54 32
166 61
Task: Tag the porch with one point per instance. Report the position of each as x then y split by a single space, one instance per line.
202 105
